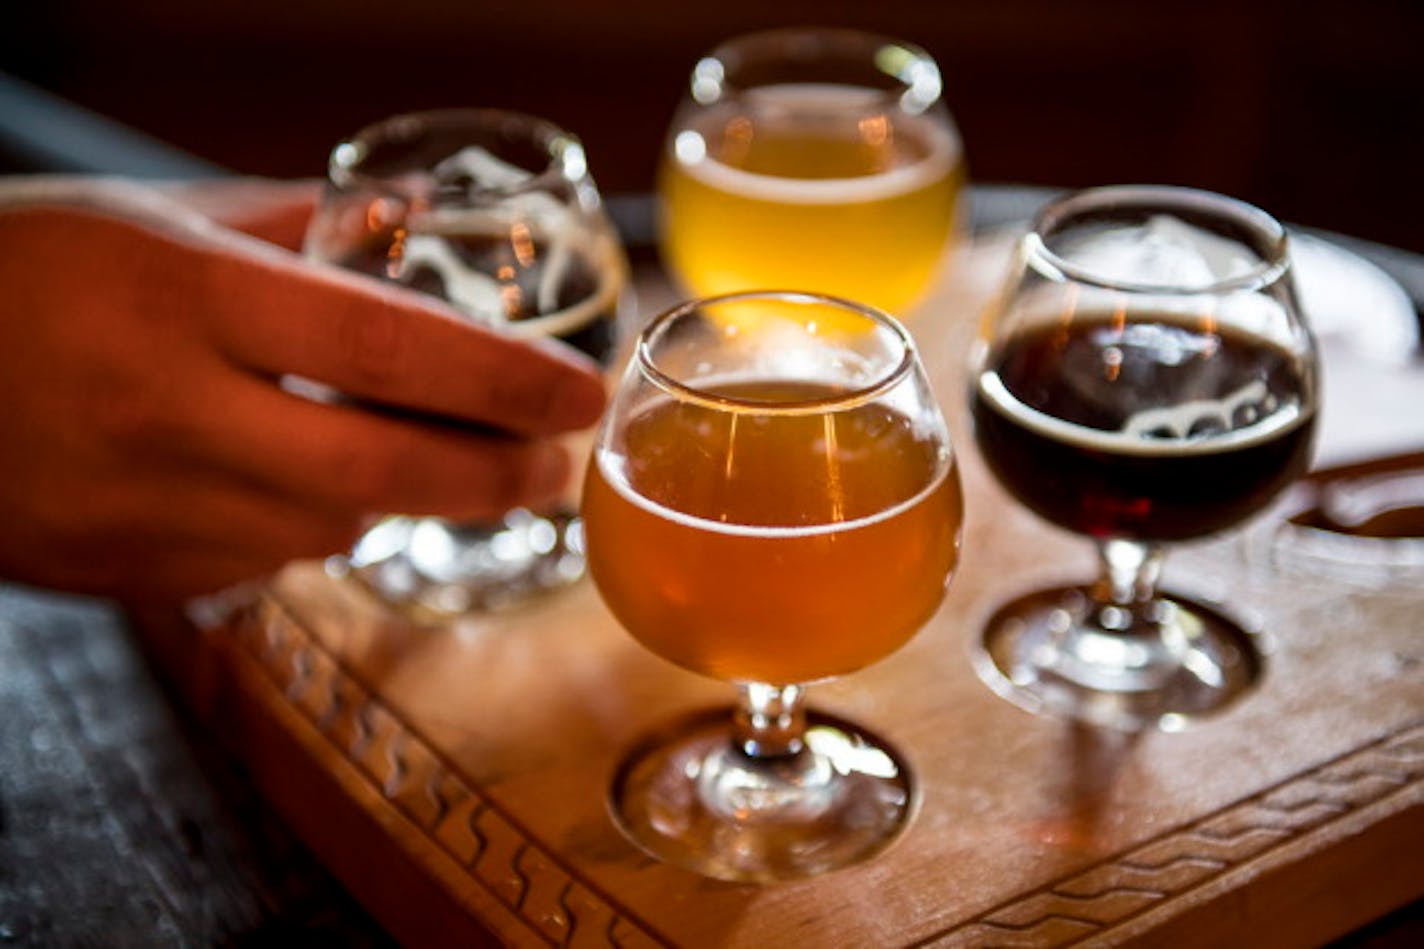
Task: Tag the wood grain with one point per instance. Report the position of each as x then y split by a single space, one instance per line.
455 778
1376 791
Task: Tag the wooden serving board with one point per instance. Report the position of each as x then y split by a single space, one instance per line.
455 779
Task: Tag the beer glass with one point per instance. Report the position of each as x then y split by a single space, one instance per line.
772 501
1147 378
819 159
496 213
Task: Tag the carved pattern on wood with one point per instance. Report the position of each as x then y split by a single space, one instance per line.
563 910
1093 901
498 856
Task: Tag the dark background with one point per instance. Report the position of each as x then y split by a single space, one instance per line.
1309 108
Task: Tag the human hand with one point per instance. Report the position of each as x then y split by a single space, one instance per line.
149 450
277 212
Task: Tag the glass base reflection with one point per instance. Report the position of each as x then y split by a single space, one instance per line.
434 570
1058 652
690 797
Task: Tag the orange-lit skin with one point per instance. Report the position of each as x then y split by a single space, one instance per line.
781 606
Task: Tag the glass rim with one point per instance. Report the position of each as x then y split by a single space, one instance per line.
1274 255
344 164
841 401
913 71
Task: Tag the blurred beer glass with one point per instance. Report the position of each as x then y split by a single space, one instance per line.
496 213
812 159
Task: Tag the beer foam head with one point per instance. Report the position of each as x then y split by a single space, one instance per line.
614 468
801 109
1139 437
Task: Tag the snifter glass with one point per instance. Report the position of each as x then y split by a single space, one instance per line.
820 159
772 501
1146 378
496 213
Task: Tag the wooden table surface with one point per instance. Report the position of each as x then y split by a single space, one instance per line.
120 824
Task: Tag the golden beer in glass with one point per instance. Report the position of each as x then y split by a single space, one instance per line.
817 159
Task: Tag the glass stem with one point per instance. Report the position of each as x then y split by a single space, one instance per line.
769 720
1127 573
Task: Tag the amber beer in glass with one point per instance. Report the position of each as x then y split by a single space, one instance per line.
816 159
772 501
820 545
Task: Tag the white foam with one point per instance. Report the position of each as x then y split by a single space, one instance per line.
613 468
943 143
1132 442
1179 419
478 294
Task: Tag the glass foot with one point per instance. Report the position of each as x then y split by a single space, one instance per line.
1056 652
691 798
433 570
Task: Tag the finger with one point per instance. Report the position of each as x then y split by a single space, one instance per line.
390 345
182 573
270 210
199 536
219 511
344 457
